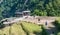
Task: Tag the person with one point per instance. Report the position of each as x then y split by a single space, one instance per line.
46 23
38 19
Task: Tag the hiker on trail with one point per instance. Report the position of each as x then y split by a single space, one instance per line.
46 23
39 20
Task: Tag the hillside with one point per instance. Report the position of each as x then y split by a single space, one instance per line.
29 28
21 29
37 7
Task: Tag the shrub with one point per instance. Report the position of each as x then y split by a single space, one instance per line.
44 32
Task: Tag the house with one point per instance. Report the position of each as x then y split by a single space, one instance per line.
18 14
23 13
26 13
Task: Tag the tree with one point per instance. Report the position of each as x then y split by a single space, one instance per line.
48 7
36 12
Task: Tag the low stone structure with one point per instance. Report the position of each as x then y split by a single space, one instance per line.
23 13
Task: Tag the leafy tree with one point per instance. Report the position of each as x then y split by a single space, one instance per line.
36 12
45 7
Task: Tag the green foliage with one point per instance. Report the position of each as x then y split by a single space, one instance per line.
39 13
58 33
21 29
52 7
57 24
36 12
2 25
44 32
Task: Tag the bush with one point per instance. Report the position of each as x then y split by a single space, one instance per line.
44 32
2 25
57 24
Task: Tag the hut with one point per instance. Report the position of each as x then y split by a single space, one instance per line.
23 13
26 13
18 14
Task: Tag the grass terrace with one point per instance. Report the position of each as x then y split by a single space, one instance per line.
21 28
31 28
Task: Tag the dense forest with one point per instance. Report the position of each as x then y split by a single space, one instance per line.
37 7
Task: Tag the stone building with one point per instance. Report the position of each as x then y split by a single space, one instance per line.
26 13
18 14
23 13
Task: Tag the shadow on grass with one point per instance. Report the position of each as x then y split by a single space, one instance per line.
37 33
52 30
2 26
43 32
57 26
26 31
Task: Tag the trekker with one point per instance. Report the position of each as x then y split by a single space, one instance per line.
46 23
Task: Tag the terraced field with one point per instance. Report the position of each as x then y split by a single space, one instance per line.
12 30
32 28
4 31
17 29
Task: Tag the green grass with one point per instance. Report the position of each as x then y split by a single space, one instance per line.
58 19
16 29
30 27
58 33
12 30
4 31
